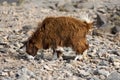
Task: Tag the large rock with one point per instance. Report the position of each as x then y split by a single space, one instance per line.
114 76
12 1
100 20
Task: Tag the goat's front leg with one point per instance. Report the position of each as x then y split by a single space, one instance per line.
81 56
58 53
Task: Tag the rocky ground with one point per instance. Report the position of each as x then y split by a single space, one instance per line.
18 21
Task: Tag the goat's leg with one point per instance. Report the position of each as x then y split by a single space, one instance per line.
81 49
58 53
54 54
82 56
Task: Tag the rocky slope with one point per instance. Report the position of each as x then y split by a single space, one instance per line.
18 22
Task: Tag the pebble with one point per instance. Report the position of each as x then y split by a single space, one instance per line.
47 67
117 64
84 73
102 77
116 53
3 50
94 78
2 73
104 63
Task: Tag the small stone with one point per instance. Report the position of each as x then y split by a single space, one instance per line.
115 60
3 50
18 44
116 53
101 20
3 73
94 78
38 78
47 67
84 73
5 4
31 74
32 79
102 54
101 72
13 4
102 77
103 63
117 64
11 73
111 60
24 74
6 78
26 28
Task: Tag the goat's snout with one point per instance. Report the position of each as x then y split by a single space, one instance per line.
31 48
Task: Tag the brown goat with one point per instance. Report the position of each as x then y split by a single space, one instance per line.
59 31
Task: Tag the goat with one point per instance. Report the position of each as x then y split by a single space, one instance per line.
60 31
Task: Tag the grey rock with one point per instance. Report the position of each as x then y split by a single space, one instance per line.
2 73
87 5
102 77
115 52
24 74
67 8
114 76
6 78
18 45
84 73
62 3
94 78
115 29
49 4
102 10
47 68
9 1
101 72
3 50
113 59
119 70
104 63
26 28
102 53
100 20
110 6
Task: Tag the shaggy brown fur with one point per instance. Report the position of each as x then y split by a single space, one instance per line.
59 31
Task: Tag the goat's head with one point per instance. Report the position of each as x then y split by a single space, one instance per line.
31 49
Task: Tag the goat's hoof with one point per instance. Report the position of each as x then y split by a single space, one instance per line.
60 58
78 58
